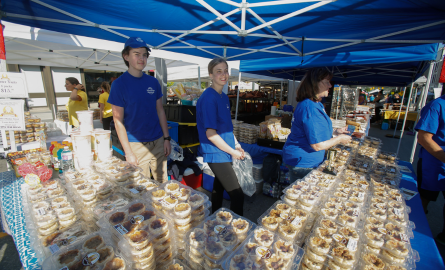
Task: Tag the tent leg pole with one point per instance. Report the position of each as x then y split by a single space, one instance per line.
281 94
237 96
406 115
421 104
400 111
199 77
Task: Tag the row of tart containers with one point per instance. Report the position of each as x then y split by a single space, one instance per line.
363 199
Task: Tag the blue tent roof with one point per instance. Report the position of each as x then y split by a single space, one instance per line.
393 67
336 26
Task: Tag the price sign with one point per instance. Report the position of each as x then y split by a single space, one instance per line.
13 85
12 116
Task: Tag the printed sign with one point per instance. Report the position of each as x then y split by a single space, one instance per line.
12 115
13 85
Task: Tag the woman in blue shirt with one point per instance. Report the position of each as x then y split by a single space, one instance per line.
311 132
431 164
218 144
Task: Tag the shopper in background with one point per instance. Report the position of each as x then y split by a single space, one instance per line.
378 101
138 113
431 164
217 142
106 113
311 132
78 100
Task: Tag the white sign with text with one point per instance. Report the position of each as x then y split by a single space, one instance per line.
13 85
12 114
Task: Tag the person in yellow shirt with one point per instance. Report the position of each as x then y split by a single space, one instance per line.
78 99
106 114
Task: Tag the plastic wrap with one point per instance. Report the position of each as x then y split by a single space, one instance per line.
177 152
264 249
213 240
243 171
122 173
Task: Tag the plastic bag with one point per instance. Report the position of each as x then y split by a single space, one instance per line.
177 153
243 171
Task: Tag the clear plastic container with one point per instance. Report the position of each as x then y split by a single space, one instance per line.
144 234
370 260
81 143
332 245
265 249
85 121
101 208
122 173
286 221
177 264
182 204
97 251
48 245
344 211
214 239
304 195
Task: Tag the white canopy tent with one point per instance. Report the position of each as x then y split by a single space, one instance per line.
33 46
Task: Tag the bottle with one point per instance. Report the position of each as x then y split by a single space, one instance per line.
55 158
266 188
53 144
67 159
59 157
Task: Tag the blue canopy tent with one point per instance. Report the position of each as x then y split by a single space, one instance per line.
385 67
240 29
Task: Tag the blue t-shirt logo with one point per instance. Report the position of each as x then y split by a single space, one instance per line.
150 90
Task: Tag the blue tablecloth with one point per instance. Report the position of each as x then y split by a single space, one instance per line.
11 200
423 240
258 153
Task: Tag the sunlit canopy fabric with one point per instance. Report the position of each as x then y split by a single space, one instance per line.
240 29
393 66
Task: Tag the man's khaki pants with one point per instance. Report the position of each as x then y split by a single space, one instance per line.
151 156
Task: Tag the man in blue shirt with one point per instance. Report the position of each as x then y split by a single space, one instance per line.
431 164
138 113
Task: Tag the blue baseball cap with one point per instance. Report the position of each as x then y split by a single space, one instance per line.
136 42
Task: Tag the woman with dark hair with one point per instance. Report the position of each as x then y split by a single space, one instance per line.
106 113
78 99
217 142
311 132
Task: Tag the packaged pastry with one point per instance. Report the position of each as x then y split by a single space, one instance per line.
332 245
386 261
286 221
96 251
145 235
103 207
185 206
177 265
213 240
122 172
255 253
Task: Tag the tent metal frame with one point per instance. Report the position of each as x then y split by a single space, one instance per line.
243 7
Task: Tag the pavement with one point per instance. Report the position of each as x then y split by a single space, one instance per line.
256 205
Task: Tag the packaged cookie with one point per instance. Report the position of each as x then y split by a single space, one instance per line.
264 249
370 260
96 251
213 240
332 245
145 235
344 210
286 221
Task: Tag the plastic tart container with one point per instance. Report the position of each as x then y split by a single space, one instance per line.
371 260
377 180
97 251
265 249
144 234
134 190
48 245
333 246
360 165
115 201
303 196
182 204
177 265
286 221
122 173
343 211
390 211
213 240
